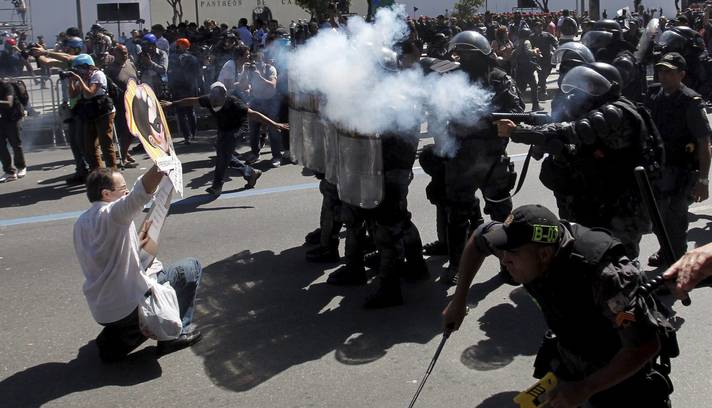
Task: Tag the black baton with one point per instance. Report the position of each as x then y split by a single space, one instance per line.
666 249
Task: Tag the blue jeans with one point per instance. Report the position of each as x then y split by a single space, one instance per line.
267 108
184 277
224 148
121 337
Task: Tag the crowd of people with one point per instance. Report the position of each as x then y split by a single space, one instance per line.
613 337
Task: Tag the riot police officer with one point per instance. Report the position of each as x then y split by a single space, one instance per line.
480 162
689 43
568 55
607 334
606 42
593 153
681 120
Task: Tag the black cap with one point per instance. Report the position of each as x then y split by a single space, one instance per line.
673 60
528 223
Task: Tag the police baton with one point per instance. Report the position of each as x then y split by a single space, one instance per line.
446 335
666 249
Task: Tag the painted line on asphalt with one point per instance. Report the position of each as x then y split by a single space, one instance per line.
197 199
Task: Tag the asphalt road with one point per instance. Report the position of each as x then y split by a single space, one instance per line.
275 334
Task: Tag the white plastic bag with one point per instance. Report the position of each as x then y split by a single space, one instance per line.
158 312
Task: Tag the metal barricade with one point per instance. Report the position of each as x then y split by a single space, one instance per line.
42 125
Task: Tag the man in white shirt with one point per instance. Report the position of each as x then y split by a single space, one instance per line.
109 252
231 73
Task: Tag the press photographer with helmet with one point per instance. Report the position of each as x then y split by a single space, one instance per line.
153 65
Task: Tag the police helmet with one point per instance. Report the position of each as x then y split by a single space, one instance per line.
74 42
470 41
609 25
595 80
572 51
569 26
626 67
596 40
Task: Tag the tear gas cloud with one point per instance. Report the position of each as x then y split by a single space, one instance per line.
346 68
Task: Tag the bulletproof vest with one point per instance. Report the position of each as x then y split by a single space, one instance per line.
565 295
670 118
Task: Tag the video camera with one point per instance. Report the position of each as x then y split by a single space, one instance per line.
66 74
26 52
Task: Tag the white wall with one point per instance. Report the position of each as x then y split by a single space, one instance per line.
49 17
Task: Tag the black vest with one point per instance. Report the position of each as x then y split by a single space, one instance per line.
669 114
566 299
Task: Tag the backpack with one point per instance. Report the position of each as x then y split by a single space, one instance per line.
653 148
20 91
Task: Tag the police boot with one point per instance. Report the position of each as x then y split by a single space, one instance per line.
388 295
456 237
324 254
313 238
439 247
348 275
415 270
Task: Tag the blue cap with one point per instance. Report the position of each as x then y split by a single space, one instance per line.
150 38
82 59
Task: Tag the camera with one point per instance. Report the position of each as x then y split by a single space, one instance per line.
26 52
252 67
65 74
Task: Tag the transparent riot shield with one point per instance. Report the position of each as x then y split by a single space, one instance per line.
360 177
331 153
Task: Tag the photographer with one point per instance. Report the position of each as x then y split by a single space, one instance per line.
262 79
232 73
72 47
153 64
108 249
96 110
121 71
184 80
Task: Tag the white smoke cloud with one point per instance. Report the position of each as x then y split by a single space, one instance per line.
346 68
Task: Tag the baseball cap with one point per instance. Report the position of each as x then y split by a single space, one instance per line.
218 84
673 60
529 223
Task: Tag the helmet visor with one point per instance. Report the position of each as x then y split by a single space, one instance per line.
572 50
586 80
597 39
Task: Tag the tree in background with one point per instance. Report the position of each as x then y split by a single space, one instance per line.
177 10
543 5
466 8
322 8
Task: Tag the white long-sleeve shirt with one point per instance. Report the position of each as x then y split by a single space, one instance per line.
107 247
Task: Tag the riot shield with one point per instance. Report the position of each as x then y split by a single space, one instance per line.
296 127
360 164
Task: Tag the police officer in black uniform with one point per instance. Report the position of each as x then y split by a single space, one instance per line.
481 160
608 333
593 153
681 120
606 42
691 46
394 235
568 56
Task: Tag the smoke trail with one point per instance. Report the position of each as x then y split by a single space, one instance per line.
346 68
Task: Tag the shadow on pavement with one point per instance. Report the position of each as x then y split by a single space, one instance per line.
261 314
501 400
700 235
34 195
46 382
511 330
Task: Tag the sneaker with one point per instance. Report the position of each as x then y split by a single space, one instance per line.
252 180
276 162
435 248
21 172
8 177
214 190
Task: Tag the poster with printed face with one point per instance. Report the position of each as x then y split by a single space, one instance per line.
147 122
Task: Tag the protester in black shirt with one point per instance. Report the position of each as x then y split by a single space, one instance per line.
231 114
10 115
